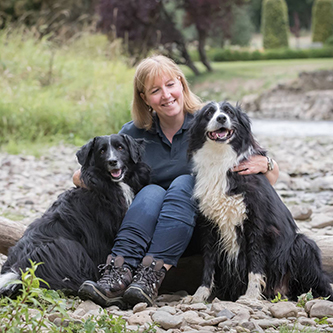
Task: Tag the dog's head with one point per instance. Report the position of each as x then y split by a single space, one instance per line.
223 124
113 154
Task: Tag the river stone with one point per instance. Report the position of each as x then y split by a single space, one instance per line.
306 321
139 307
192 318
321 309
140 318
169 309
87 307
321 221
301 213
166 320
225 313
273 322
283 309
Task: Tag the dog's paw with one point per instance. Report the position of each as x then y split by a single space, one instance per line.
200 296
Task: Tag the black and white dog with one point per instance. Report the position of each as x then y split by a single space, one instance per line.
250 242
77 232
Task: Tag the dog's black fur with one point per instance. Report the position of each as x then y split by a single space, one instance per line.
251 245
77 232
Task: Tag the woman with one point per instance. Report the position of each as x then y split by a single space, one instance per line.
159 224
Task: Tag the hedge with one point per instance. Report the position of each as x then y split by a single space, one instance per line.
218 55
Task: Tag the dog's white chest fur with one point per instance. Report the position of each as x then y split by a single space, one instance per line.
211 164
128 193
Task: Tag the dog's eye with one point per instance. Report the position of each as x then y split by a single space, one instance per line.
120 147
102 151
210 112
228 110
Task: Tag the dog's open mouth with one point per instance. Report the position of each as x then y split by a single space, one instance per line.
117 174
221 134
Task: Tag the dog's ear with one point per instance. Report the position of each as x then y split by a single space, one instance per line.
136 147
85 154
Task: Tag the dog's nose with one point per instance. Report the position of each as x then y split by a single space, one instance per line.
113 162
221 118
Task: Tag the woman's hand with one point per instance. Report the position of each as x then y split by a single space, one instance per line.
256 164
77 179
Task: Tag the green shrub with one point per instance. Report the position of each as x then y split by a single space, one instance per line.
275 26
272 54
322 20
242 28
329 41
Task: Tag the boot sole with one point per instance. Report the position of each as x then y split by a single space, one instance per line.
134 295
88 291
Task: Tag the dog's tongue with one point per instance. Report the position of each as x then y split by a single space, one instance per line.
116 173
219 134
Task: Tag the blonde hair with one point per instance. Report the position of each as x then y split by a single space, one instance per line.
146 72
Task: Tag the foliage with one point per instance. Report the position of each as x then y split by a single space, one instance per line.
30 311
61 18
242 28
15 315
275 24
278 298
322 20
329 41
227 54
303 299
321 321
71 92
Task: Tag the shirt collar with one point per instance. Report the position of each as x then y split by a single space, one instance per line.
156 123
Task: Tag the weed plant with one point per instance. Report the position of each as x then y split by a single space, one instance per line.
70 91
30 311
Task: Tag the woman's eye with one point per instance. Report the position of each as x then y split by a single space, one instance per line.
171 84
154 91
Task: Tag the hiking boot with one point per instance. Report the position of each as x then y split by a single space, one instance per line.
109 289
146 282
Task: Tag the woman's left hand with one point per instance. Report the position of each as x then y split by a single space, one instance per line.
256 164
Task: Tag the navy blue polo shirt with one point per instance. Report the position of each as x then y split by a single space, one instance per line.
167 160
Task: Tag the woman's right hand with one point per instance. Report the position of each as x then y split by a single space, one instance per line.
77 179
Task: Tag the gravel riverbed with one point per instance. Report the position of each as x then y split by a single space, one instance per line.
28 186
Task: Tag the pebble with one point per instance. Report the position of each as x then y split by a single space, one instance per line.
28 186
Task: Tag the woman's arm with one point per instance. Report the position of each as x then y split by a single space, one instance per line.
257 164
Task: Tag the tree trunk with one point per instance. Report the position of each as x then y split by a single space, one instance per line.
10 233
202 51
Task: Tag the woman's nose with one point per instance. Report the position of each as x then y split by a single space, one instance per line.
165 92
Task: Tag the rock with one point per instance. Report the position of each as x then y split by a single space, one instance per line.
321 221
140 318
266 323
87 307
166 320
192 317
283 309
306 321
225 313
139 307
301 212
321 308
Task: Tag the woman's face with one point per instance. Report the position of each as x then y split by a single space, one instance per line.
165 95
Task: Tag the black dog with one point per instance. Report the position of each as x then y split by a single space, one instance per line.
77 232
250 242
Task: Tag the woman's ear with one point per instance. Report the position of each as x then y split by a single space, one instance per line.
143 96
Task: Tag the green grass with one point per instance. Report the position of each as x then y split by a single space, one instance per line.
71 92
233 80
83 87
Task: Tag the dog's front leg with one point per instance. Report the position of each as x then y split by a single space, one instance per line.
256 278
209 261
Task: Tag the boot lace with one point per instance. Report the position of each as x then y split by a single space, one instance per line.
110 274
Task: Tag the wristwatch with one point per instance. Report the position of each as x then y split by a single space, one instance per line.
270 164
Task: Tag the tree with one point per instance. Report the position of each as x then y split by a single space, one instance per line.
144 25
322 20
275 25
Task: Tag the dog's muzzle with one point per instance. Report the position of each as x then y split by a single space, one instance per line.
221 134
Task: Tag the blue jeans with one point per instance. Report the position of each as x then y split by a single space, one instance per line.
158 223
